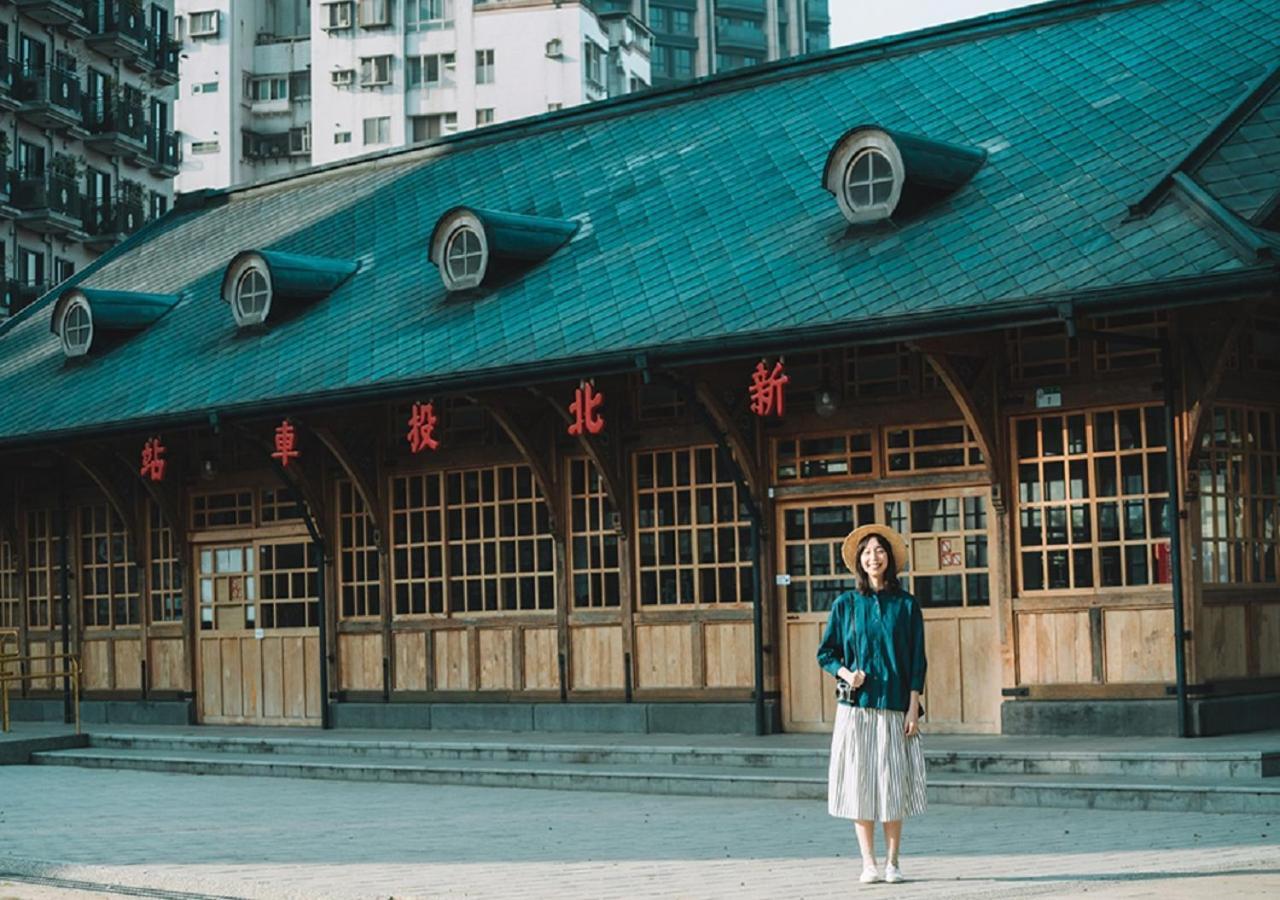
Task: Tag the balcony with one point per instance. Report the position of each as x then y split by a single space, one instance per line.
751 7
164 57
49 204
7 209
8 297
116 128
739 37
109 222
50 97
164 153
118 29
24 294
68 14
7 100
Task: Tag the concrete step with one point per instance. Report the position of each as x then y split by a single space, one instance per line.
807 783
1216 765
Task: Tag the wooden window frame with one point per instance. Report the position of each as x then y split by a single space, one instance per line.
1087 495
648 498
1232 546
1066 365
1115 358
964 567
404 546
101 527
359 584
848 457
309 595
164 586
11 612
240 492
43 541
594 583
968 445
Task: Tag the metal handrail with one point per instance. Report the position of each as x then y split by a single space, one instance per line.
72 671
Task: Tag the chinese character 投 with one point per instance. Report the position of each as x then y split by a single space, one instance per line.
766 389
286 443
422 426
586 401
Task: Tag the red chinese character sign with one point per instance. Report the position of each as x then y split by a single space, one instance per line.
286 443
585 410
766 389
422 426
153 461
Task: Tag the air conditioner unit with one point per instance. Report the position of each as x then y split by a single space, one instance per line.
342 77
555 50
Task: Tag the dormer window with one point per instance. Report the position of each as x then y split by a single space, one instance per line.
470 245
466 258
257 281
76 327
876 174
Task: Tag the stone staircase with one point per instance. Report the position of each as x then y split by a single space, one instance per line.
1237 780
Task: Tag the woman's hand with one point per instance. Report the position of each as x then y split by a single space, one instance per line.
912 726
854 679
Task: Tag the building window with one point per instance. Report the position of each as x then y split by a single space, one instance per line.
109 579
278 505
44 543
289 586
694 533
300 84
465 257
424 15
1091 500
270 87
375 13
358 584
375 71
300 140
432 70
869 180
485 533
839 455
682 21
484 116
159 204
63 269
682 62
377 131
224 509
166 585
76 327
336 16
1042 351
252 297
949 563
342 137
593 64
593 538
342 77
484 67
1263 341
31 268
1119 356
204 87
203 24
10 600
425 128
658 18
1240 496
552 107
201 147
949 446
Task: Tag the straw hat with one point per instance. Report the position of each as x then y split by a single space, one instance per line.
897 545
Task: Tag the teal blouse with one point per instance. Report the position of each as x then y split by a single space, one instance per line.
883 635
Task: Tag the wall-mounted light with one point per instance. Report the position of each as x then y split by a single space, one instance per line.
825 402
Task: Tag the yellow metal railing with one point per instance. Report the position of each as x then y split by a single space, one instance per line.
13 674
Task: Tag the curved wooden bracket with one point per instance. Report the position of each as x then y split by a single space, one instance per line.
294 476
609 472
972 382
9 520
734 437
1207 343
363 485
164 497
542 473
110 491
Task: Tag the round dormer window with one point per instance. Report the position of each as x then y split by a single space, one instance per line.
866 173
248 288
76 330
460 249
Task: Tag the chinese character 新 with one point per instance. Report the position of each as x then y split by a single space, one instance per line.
766 389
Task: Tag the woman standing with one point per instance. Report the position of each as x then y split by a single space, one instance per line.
874 646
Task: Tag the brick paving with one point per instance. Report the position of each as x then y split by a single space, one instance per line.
283 838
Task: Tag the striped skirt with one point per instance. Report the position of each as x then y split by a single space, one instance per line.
876 772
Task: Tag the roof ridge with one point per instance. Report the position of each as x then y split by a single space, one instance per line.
1213 138
948 33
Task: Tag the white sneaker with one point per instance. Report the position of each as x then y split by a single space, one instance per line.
869 875
892 873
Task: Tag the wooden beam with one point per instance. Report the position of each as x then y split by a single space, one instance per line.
605 462
111 491
543 472
360 480
748 460
1208 337
296 476
971 377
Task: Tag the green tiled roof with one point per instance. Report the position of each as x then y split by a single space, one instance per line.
1244 173
704 225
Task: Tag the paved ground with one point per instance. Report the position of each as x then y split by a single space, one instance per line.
275 838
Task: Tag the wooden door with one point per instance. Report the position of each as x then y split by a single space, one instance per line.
949 574
259 645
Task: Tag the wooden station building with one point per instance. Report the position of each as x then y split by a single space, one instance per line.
559 424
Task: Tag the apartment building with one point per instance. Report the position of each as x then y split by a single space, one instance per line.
273 86
88 150
693 38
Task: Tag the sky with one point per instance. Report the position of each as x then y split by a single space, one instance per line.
853 21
